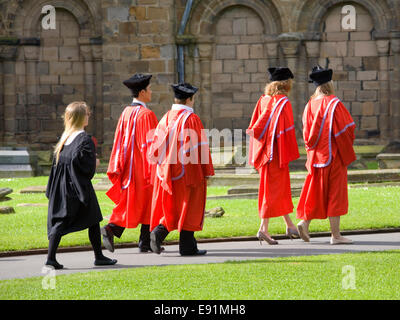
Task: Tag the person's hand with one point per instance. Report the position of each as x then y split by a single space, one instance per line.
97 162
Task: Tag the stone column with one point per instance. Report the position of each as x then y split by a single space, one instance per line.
272 50
8 54
97 53
290 47
395 88
196 66
384 92
86 54
31 56
205 56
312 51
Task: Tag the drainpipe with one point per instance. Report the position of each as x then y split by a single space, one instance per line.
181 59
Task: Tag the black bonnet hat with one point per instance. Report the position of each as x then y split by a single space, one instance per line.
320 75
280 74
138 82
184 90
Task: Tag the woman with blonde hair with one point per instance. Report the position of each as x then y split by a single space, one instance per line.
328 131
73 203
273 146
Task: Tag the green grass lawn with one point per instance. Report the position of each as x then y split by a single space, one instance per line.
293 278
369 208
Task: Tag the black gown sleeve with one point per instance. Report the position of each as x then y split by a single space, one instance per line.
84 161
50 181
83 168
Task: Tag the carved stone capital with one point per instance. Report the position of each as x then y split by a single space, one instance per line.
312 48
205 50
8 53
31 53
290 48
86 52
97 52
383 47
289 43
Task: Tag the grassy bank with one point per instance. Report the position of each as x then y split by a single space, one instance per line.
294 278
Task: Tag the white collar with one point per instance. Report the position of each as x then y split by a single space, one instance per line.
179 107
73 136
138 101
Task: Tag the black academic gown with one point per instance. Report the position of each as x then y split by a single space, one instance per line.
73 204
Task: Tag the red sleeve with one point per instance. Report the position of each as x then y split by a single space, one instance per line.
259 120
286 137
145 127
196 142
114 165
257 156
343 131
114 170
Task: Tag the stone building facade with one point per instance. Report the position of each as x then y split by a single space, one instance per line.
227 47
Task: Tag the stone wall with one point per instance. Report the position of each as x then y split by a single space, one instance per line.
359 77
228 46
237 68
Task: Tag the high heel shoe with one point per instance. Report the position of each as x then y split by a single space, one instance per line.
292 233
303 231
261 236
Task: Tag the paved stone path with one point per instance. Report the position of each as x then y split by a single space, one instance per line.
218 252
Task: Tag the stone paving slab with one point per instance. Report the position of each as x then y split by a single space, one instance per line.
218 252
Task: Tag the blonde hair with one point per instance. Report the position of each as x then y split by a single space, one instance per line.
74 120
325 89
279 87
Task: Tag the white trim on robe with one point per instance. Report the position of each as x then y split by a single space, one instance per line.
72 137
140 102
179 107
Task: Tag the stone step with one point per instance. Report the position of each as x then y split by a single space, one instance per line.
15 163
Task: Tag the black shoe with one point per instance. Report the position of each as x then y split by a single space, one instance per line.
196 253
54 264
104 262
108 238
154 244
145 249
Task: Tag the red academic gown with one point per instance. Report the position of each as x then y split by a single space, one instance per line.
328 131
183 158
272 146
129 170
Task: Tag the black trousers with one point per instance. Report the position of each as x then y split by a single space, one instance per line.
187 241
144 238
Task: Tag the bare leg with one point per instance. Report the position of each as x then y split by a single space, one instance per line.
264 226
289 222
335 227
335 230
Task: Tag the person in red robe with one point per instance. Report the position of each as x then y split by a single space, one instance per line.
183 163
128 168
328 131
272 147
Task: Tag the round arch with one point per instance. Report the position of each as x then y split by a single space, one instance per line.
28 15
313 12
207 12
